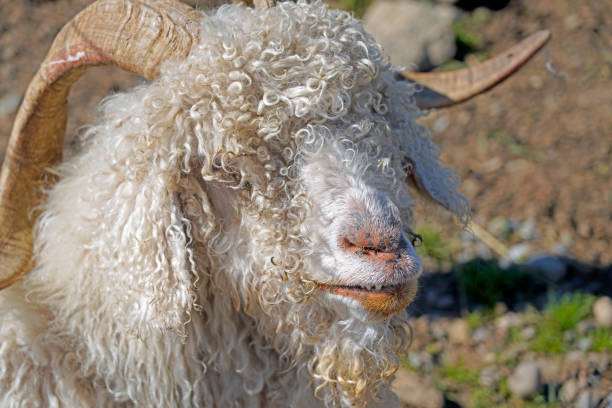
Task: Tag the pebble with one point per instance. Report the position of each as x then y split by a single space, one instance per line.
602 311
528 229
569 390
607 401
412 390
426 26
526 380
480 334
585 327
517 253
9 104
528 333
549 267
584 344
441 124
489 376
508 320
459 332
587 399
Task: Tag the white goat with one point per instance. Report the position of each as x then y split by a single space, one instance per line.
234 233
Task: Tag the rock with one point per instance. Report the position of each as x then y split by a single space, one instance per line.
508 320
528 229
569 390
426 27
441 124
489 376
9 104
584 344
607 403
412 390
549 369
585 327
602 311
517 253
528 333
459 332
480 334
549 267
587 399
526 380
437 331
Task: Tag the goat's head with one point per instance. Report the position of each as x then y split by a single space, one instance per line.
281 147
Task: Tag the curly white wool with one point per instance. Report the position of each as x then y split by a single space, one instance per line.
145 293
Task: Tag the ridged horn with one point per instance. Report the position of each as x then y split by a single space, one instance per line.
447 88
136 35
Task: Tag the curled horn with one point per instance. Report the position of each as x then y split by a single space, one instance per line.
136 35
448 88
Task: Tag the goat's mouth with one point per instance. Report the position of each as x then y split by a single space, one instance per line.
385 300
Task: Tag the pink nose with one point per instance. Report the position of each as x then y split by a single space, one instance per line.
373 241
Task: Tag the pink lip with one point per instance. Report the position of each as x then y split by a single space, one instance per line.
386 301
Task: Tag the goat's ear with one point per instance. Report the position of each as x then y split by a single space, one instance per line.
170 282
437 183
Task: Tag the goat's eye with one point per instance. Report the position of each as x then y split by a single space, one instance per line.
415 239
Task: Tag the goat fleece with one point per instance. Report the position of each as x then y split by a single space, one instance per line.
180 259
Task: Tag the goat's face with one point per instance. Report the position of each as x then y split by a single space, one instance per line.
306 162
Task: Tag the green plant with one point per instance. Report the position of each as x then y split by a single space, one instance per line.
485 282
479 318
356 6
601 339
459 373
433 245
570 309
558 317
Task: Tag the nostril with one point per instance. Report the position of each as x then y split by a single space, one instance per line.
370 247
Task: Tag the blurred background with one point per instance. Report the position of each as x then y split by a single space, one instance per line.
515 310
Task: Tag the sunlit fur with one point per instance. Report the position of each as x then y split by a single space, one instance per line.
177 259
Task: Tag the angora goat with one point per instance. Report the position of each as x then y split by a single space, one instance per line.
234 233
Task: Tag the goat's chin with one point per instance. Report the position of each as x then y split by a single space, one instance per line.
357 355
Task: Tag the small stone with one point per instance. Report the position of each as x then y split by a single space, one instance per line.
9 104
585 327
528 333
571 22
517 253
536 82
528 229
412 390
587 399
415 360
584 344
607 403
569 390
441 124
489 376
480 334
602 311
526 380
459 332
508 320
437 331
427 25
549 267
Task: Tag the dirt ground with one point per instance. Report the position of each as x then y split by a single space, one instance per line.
540 145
